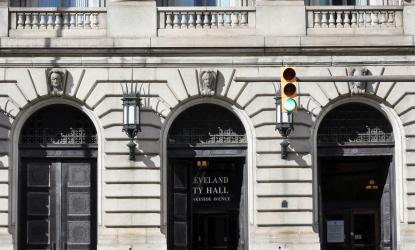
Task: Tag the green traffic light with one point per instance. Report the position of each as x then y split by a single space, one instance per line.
290 104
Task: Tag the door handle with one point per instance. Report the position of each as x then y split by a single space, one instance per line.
53 245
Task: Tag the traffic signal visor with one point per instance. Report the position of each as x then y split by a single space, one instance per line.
288 89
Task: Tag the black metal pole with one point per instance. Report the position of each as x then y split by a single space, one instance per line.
380 78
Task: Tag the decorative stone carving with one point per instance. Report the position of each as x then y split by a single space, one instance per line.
357 88
57 81
207 82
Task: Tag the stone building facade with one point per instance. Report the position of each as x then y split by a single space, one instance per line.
208 170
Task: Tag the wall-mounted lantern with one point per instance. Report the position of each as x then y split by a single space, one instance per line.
284 126
131 103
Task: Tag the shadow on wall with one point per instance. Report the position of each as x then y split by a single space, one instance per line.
220 83
5 127
148 140
300 144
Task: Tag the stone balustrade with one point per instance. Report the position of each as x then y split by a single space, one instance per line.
206 20
57 21
330 20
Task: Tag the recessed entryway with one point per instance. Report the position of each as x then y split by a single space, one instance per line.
355 179
206 180
57 181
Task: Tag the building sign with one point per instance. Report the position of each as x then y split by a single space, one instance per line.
335 231
211 188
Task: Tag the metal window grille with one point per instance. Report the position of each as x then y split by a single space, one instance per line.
355 124
207 124
58 124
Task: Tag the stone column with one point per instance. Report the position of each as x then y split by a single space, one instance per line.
4 18
280 18
136 18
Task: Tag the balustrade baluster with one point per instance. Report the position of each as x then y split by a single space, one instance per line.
339 20
317 20
346 20
324 19
235 19
244 19
361 19
198 20
58 22
383 19
50 21
65 17
354 19
183 20
43 21
368 18
220 20
206 24
331 20
35 21
391 18
169 20
20 20
191 20
175 20
213 20
28 21
95 24
228 19
72 22
87 21
375 18
80 20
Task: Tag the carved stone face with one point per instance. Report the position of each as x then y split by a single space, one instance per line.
56 80
207 79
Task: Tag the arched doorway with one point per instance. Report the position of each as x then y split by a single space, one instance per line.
206 176
355 175
57 180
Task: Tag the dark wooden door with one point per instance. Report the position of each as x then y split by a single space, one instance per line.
57 204
179 227
215 230
204 203
351 229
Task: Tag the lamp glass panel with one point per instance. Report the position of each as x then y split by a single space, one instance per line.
137 115
279 114
286 117
131 114
125 114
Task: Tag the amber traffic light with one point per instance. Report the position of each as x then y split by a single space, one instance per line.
289 99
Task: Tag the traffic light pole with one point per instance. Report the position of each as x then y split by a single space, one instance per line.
380 78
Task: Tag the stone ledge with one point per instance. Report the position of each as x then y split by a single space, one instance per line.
210 42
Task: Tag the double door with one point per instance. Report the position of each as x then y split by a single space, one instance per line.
57 205
352 230
204 204
215 230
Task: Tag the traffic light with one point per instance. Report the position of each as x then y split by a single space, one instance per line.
289 99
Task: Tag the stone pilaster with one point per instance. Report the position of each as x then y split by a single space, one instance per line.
132 18
4 18
280 18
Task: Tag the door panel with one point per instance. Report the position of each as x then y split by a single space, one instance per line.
76 205
364 231
56 205
181 229
37 226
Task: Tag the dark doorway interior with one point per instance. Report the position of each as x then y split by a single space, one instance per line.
205 197
355 198
57 181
